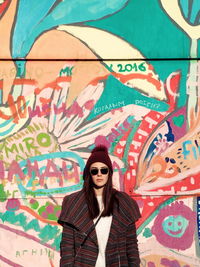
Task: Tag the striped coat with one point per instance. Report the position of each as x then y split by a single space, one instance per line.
121 249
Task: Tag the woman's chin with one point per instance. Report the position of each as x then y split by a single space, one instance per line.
99 185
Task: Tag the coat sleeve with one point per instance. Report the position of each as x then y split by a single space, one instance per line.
132 246
67 247
131 237
67 250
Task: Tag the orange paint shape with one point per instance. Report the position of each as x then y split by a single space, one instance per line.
24 81
149 78
34 214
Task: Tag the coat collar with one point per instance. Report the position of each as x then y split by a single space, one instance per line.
78 216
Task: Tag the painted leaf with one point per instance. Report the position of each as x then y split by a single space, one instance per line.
191 11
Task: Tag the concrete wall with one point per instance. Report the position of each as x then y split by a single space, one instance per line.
78 73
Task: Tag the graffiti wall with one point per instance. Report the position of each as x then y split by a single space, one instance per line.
125 74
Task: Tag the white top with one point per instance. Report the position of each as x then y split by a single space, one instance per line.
102 231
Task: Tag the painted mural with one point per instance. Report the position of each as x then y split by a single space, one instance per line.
78 73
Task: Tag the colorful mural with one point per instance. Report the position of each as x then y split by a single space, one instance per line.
78 73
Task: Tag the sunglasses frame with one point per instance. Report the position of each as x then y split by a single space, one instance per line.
97 169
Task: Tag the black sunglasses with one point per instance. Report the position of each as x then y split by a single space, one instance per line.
95 171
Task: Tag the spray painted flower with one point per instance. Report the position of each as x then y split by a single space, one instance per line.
161 144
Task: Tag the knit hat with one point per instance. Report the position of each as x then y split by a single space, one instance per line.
99 154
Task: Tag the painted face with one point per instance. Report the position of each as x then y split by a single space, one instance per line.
175 226
99 172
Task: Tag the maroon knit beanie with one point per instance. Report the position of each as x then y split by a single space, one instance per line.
99 154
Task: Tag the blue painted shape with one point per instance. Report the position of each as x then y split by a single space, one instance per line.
194 153
191 11
8 131
169 135
3 124
36 17
29 14
195 12
184 7
175 226
118 92
1 96
65 154
51 191
186 148
44 192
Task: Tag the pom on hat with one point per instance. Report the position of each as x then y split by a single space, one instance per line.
99 154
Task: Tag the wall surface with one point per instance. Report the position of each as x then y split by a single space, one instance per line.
78 73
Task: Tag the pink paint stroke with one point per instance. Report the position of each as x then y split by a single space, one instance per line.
9 262
21 233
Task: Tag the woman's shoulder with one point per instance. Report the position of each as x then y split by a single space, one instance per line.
123 196
128 204
75 199
73 196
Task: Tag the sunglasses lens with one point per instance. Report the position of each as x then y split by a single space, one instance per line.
95 171
104 170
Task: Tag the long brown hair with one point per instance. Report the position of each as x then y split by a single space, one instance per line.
108 195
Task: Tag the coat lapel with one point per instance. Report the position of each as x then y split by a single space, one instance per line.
76 213
85 224
113 230
78 216
117 226
119 223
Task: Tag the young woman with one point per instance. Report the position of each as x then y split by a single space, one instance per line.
99 221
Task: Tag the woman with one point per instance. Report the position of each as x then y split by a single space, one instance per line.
112 241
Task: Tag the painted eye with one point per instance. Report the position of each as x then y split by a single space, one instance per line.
172 161
169 223
167 159
179 223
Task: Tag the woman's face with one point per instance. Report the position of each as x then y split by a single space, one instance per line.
99 172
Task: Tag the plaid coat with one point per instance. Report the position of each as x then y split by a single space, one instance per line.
121 249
